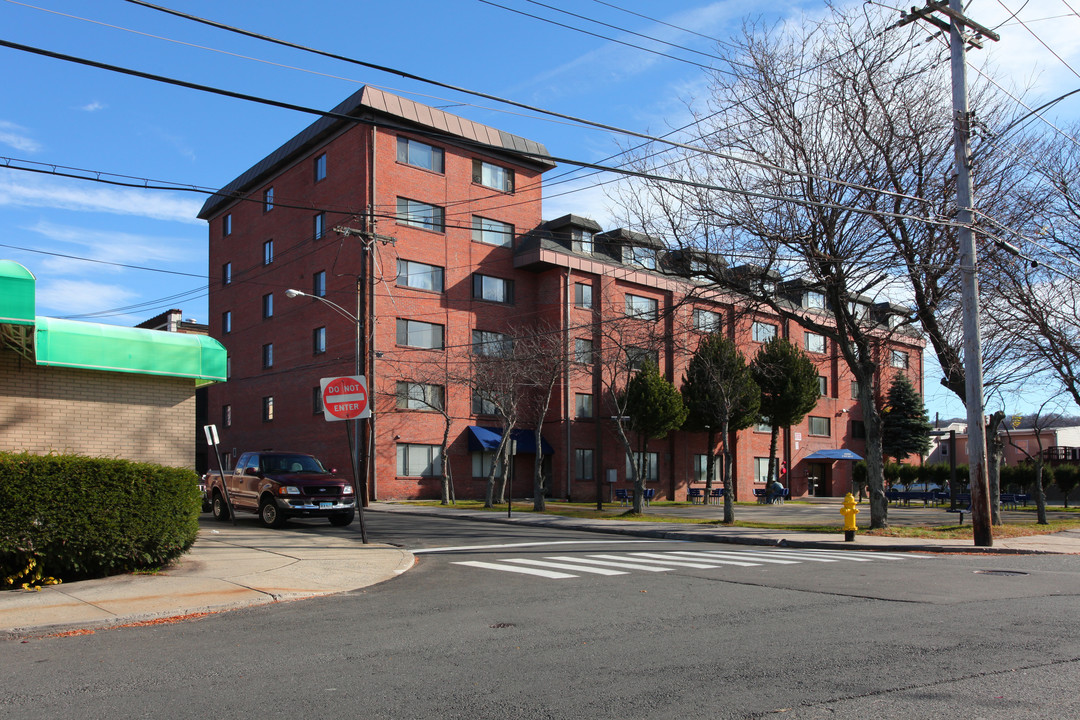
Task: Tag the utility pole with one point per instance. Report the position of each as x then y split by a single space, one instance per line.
956 25
363 321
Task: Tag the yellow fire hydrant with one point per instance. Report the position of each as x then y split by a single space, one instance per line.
849 511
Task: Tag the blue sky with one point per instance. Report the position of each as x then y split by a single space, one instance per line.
60 114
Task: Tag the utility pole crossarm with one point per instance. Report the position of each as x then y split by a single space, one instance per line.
927 13
370 236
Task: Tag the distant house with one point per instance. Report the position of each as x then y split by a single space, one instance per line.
97 390
1059 444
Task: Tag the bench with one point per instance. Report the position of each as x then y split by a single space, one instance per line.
695 496
716 496
763 496
622 495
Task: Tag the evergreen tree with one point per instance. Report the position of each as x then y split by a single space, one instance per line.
720 397
789 388
655 408
906 427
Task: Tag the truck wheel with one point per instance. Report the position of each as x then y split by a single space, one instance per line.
220 507
270 515
342 519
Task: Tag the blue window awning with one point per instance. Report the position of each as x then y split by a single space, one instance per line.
832 455
486 439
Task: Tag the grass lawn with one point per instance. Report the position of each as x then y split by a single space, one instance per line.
656 513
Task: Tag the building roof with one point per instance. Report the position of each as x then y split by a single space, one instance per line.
401 109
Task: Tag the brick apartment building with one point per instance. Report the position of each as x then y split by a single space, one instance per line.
448 251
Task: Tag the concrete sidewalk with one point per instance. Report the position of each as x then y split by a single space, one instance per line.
228 567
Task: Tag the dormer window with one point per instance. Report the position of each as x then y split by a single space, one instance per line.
642 257
582 241
857 310
894 320
813 300
768 287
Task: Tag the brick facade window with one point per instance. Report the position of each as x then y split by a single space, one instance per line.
419 276
268 199
418 154
268 408
421 215
493 176
320 168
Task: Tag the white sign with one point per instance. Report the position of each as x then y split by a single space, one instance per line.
798 436
345 398
211 435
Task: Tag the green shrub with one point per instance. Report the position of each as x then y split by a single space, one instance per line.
74 517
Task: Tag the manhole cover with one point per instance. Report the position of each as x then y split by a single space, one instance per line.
1004 573
500 626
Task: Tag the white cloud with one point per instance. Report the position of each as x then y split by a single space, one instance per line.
79 297
93 106
115 247
85 196
16 137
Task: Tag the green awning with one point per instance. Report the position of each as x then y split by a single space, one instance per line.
16 294
93 346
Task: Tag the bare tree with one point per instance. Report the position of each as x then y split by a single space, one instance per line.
1039 422
543 358
497 381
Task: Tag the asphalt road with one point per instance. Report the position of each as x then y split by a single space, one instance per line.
673 633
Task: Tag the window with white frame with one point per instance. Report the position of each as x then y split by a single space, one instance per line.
318 341
320 168
318 283
706 321
815 343
763 332
418 154
492 232
493 176
492 344
482 405
583 296
761 470
641 256
583 351
823 386
819 426
419 276
645 308
421 215
637 357
701 468
415 460
581 241
858 310
419 396
813 299
898 359
583 405
649 464
482 462
493 289
414 333
583 464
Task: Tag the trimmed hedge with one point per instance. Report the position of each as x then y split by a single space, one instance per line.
74 517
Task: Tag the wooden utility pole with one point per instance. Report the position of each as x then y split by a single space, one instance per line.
957 24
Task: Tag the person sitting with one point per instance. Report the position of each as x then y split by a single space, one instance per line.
774 491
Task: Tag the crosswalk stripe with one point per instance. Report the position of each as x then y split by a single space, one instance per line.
721 559
667 560
757 556
796 556
874 554
511 568
841 555
565 566
606 563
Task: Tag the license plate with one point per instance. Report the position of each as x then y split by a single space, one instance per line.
326 504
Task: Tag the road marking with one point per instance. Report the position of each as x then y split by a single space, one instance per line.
759 556
535 544
872 554
668 560
510 568
608 563
565 566
721 559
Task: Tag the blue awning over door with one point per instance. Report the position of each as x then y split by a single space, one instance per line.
832 455
485 439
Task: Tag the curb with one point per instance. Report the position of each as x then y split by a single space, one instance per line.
618 528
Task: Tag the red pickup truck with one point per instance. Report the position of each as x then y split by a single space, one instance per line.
279 485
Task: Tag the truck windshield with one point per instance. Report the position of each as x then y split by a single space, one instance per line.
290 464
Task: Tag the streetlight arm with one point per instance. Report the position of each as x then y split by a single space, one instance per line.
290 293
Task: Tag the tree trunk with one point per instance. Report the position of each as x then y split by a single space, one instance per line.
995 452
710 463
1040 496
539 503
489 493
447 478
875 466
729 481
772 459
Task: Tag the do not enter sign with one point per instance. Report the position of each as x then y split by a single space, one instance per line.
345 398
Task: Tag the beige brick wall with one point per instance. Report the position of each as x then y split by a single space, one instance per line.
101 414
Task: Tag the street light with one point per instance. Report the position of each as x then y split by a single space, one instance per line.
359 324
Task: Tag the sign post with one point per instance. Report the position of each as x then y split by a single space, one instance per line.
212 440
346 398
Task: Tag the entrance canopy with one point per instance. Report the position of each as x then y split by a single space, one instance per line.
484 439
832 455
